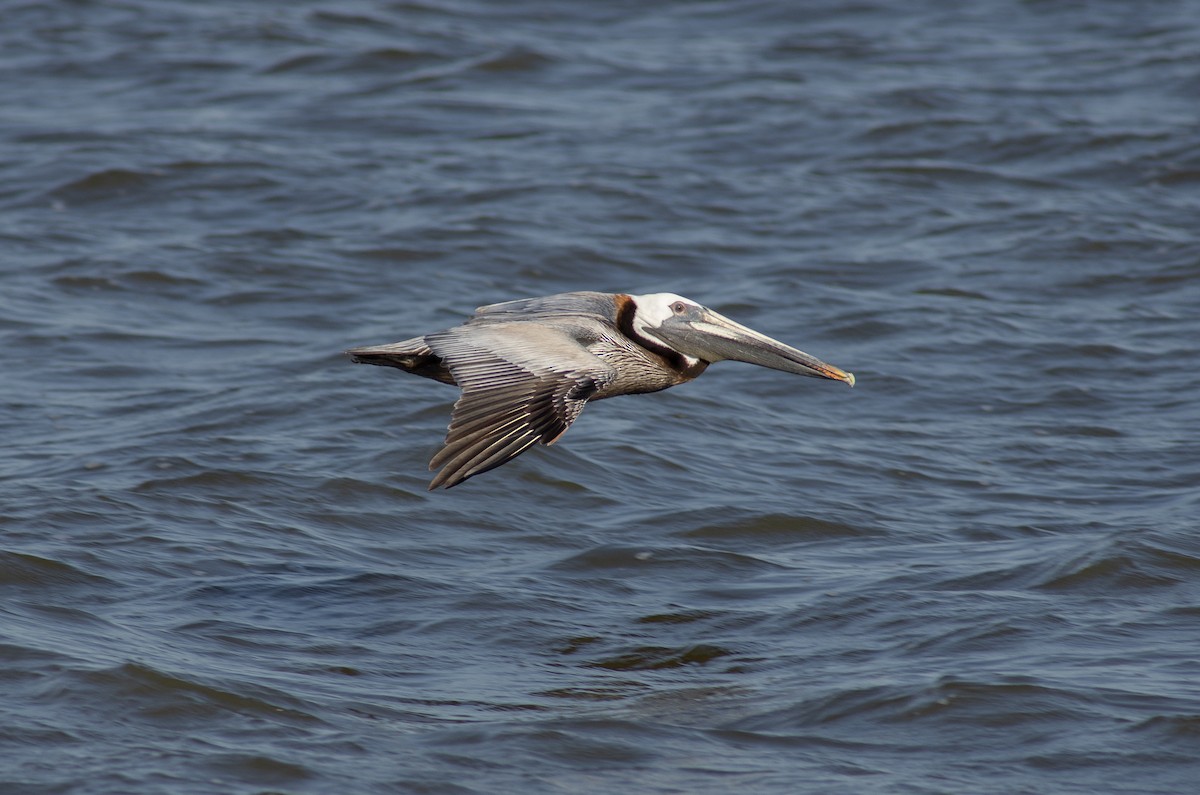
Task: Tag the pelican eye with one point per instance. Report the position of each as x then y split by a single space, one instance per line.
679 307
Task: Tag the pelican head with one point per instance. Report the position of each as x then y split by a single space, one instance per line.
700 333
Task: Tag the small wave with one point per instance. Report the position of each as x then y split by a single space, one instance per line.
226 480
1182 730
160 282
324 18
679 617
383 60
655 658
160 183
172 699
1128 562
947 702
945 172
691 559
515 59
259 769
31 571
597 693
105 184
775 529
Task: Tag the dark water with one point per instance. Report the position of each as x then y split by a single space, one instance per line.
977 572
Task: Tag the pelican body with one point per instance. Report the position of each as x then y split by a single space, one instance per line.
526 368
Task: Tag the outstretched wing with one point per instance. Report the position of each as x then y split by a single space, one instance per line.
522 383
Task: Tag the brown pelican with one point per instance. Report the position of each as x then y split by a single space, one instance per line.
527 367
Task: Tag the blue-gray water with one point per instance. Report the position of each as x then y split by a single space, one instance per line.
977 572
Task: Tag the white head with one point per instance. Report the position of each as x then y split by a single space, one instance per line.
700 334
654 309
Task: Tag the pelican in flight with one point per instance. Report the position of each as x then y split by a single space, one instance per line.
526 368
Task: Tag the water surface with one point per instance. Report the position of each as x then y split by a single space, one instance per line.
976 572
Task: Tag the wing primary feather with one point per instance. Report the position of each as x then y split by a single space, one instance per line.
501 456
471 461
473 439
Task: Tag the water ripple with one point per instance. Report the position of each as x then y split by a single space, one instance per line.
223 569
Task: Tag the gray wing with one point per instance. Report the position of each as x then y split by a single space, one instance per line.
598 305
522 383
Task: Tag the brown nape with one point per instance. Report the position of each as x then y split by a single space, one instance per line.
695 370
428 365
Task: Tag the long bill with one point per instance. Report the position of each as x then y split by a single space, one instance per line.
714 337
